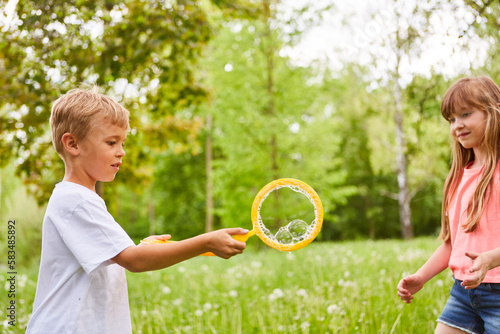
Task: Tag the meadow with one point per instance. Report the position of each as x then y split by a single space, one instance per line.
344 287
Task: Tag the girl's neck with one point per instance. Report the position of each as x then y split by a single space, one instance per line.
479 158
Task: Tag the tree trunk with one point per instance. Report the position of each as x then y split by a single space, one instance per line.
152 221
209 216
404 196
269 52
371 225
273 143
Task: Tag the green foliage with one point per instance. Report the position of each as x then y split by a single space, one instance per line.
8 185
143 53
131 210
175 64
268 123
179 195
486 25
17 204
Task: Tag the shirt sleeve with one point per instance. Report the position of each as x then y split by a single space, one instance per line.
93 236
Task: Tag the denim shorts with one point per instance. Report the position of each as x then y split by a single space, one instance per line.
474 310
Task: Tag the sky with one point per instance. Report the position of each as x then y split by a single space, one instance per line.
7 11
356 32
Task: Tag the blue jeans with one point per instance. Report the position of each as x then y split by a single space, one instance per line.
475 310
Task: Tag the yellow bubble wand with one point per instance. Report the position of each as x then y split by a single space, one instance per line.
298 233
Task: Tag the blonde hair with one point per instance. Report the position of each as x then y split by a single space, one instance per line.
484 94
81 110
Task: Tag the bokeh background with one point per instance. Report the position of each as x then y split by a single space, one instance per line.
226 96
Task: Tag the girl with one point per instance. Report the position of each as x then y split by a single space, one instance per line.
470 217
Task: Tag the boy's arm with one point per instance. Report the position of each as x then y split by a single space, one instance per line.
158 256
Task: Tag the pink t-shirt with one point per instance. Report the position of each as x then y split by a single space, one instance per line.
485 237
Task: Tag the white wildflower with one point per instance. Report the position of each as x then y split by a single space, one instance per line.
22 281
256 264
305 325
332 309
302 293
277 294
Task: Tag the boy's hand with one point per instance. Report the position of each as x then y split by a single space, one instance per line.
222 244
409 286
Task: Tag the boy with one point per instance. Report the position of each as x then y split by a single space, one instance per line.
82 285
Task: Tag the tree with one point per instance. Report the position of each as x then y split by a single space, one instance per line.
143 53
402 32
267 121
486 25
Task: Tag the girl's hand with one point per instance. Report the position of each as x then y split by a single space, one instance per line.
409 286
159 237
480 266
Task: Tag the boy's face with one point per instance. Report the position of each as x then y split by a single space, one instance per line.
100 154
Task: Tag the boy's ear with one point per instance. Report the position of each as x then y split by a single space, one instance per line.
70 144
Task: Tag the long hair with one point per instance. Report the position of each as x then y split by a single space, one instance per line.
484 94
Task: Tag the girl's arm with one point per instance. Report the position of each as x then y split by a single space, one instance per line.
142 258
481 264
438 262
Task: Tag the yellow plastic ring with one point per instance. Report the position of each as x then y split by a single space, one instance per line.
290 183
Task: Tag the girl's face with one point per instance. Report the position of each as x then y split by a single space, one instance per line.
467 126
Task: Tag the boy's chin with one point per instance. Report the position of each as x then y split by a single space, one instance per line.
108 179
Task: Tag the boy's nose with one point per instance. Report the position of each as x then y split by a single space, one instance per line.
121 152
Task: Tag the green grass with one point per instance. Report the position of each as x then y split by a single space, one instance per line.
347 287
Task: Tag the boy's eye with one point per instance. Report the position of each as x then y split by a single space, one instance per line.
466 114
111 143
451 120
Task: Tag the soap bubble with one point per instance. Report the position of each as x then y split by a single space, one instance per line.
295 231
284 236
297 228
267 232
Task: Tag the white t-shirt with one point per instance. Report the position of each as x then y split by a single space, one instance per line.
80 290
